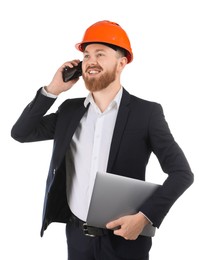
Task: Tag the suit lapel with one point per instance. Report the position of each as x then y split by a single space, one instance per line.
68 128
119 128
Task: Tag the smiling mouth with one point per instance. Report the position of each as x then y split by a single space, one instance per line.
93 71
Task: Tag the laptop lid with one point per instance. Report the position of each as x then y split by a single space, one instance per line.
115 196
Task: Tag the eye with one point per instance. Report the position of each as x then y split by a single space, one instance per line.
86 56
100 54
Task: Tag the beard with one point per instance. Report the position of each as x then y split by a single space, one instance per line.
98 83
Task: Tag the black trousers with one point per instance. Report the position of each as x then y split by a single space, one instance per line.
91 248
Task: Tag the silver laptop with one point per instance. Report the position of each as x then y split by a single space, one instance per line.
115 196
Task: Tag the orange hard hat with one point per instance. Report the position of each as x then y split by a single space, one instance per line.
108 33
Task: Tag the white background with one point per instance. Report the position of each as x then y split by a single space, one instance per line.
36 38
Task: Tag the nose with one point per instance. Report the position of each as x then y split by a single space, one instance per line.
91 63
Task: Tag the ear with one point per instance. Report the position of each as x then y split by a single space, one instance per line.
122 63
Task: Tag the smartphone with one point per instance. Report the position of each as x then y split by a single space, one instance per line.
72 73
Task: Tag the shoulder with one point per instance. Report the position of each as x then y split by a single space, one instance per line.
72 103
135 102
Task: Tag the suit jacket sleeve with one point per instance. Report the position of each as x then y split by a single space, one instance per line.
32 125
172 161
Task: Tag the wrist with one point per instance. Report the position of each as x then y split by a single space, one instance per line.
51 90
47 93
145 220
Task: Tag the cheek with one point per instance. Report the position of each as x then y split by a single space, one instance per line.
83 66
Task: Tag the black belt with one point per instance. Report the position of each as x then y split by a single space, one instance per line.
88 230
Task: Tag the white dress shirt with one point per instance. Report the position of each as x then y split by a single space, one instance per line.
89 153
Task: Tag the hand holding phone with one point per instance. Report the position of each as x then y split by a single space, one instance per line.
72 73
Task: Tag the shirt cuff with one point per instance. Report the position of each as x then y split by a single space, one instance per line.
47 94
146 218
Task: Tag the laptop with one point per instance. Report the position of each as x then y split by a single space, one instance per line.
115 196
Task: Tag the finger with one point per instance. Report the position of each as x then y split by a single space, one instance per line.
118 232
121 232
114 224
124 233
70 64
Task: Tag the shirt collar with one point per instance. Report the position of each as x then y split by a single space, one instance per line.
114 102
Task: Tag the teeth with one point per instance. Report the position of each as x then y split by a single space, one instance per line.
93 72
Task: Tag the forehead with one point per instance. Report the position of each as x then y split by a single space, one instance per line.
95 47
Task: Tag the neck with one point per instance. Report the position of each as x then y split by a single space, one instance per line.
104 97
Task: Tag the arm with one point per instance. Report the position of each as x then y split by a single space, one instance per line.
180 177
32 125
172 161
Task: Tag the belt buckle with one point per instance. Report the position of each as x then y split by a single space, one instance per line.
86 230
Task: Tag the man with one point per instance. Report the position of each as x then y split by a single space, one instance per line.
110 130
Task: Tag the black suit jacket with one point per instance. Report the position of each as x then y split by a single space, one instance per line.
140 129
